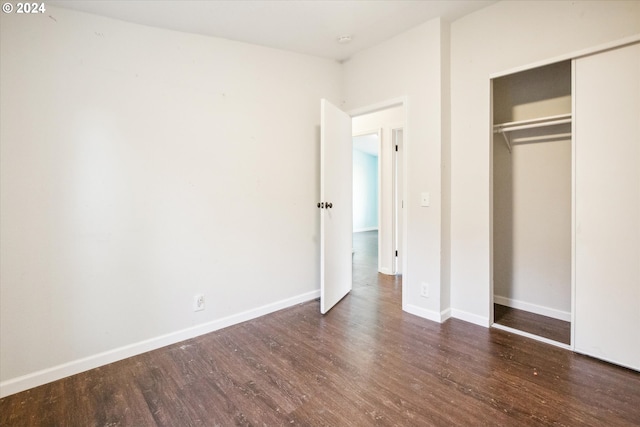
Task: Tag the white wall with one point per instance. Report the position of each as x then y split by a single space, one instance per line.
410 65
385 121
139 167
502 36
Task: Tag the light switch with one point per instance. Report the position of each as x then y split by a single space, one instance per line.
425 199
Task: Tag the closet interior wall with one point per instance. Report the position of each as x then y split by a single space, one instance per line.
532 188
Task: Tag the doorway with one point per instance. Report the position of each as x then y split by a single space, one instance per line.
366 198
336 191
378 185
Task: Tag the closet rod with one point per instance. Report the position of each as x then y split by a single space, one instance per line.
530 124
550 137
505 128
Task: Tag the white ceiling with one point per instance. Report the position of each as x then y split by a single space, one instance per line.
304 26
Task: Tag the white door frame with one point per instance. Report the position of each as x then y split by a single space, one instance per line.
398 220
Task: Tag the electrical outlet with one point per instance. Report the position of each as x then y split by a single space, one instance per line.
198 302
424 290
425 199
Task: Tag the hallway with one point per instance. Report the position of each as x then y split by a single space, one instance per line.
365 260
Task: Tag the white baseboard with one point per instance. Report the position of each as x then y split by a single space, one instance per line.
427 314
386 271
470 317
533 308
590 353
360 230
25 382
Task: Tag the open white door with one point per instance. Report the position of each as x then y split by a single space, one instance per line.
336 223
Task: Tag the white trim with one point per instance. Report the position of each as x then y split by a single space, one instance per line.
533 308
531 336
424 313
397 269
379 193
572 55
470 317
428 314
606 359
574 220
386 271
406 139
362 230
44 376
491 213
489 321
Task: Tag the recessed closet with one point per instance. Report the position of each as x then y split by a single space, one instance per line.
532 201
566 201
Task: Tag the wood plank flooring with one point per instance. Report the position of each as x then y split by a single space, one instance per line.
542 326
365 363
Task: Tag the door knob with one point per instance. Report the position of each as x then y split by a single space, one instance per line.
321 205
329 205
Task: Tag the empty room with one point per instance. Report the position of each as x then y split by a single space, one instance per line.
181 231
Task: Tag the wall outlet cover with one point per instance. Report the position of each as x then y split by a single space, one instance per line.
198 302
424 290
425 199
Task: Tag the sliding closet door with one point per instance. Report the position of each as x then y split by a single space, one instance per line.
607 197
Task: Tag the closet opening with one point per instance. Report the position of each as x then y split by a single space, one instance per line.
532 202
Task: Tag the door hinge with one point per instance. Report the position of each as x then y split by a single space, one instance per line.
396 147
396 253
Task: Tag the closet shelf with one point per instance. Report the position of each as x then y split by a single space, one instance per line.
507 127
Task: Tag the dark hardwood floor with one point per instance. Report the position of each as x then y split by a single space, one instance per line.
542 326
364 363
